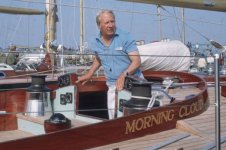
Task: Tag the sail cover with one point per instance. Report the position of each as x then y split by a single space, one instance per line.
165 56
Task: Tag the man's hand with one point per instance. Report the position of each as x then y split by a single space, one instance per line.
83 79
120 82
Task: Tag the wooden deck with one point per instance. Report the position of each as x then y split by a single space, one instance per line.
191 134
13 135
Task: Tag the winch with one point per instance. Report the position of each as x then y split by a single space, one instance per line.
38 97
141 97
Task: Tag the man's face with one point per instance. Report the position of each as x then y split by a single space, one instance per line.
107 25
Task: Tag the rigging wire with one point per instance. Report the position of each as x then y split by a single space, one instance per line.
131 11
136 12
205 37
16 28
193 29
174 12
132 18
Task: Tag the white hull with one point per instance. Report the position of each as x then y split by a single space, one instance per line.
4 67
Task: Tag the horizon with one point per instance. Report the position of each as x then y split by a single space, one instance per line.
141 20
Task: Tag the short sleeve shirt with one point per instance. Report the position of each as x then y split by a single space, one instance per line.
114 58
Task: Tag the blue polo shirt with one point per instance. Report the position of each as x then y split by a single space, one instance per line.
115 59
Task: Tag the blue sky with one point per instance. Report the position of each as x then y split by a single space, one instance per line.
140 19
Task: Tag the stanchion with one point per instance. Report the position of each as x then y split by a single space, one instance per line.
217 104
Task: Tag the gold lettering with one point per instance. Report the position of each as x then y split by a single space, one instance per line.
191 109
149 121
162 117
171 115
182 111
155 119
139 124
130 128
166 116
187 112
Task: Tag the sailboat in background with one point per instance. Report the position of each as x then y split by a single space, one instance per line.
49 56
16 11
38 59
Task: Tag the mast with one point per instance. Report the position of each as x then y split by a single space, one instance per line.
160 21
51 19
183 26
81 29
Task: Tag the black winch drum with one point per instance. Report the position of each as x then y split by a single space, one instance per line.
141 95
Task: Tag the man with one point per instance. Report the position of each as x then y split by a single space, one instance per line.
12 57
116 51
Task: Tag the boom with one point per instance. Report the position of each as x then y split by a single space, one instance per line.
213 5
23 11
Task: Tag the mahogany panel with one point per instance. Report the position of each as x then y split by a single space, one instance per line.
14 103
92 86
8 122
2 101
223 91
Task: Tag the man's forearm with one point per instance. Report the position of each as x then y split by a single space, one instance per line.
96 64
132 68
135 63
